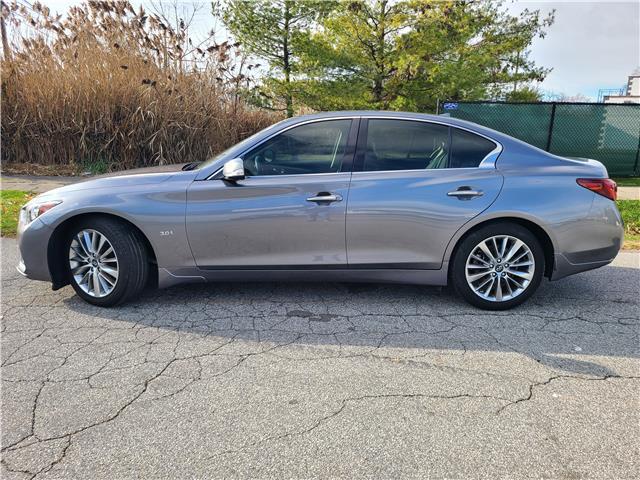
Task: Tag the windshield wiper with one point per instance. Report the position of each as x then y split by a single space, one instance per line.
190 166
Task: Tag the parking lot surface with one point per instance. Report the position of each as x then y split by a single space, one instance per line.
322 380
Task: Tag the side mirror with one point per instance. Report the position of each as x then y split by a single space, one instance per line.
233 170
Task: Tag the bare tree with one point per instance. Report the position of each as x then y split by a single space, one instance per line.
180 15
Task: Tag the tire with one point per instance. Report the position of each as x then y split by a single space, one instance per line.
514 282
129 261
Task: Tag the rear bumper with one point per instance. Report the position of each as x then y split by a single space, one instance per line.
594 242
563 267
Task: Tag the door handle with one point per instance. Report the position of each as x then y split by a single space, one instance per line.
465 193
325 197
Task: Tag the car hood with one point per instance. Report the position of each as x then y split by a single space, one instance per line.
138 176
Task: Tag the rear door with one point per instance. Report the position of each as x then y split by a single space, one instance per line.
415 183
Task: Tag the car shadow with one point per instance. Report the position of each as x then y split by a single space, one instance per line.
591 315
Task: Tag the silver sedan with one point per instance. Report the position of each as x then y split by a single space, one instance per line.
343 197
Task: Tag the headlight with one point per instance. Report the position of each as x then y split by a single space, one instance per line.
31 211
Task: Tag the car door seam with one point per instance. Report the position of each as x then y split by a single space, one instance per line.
455 234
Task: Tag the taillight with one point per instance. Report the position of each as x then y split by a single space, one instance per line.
602 186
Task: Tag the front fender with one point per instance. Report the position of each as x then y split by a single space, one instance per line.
158 211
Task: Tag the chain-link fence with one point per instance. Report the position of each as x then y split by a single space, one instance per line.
605 132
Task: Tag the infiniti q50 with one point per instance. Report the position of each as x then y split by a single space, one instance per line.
347 196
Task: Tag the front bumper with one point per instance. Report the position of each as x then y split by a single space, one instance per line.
33 243
22 269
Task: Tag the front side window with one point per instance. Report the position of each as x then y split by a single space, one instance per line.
405 145
468 149
317 147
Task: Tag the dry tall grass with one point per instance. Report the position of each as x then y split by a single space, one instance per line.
109 88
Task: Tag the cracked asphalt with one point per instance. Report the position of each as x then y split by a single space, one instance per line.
322 380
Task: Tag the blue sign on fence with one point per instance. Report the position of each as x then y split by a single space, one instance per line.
450 106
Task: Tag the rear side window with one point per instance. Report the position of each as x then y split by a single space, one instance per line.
405 145
468 149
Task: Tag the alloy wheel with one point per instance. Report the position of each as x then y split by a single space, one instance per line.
93 263
500 268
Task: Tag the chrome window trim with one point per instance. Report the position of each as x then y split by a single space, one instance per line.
285 176
489 161
423 170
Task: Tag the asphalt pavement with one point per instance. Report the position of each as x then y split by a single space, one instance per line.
322 381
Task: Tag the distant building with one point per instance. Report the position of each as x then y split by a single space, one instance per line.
628 94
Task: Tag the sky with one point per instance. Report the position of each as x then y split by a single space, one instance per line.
591 45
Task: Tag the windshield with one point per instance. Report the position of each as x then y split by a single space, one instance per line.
238 147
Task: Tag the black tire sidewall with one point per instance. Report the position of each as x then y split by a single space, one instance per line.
127 248
458 277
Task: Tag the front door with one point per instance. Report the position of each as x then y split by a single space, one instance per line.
414 185
289 211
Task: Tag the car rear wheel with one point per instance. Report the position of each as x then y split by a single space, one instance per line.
498 266
107 261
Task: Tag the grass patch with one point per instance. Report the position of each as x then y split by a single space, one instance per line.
627 181
631 242
630 211
11 201
97 167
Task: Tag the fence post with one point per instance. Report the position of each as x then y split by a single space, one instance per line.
551 122
635 165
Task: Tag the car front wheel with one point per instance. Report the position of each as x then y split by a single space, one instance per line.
107 261
498 266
